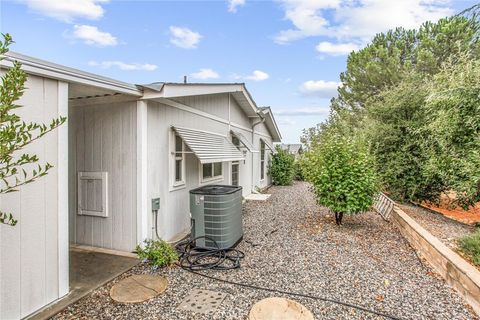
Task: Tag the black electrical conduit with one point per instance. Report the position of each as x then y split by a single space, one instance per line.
193 259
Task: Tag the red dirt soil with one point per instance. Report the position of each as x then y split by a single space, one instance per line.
470 216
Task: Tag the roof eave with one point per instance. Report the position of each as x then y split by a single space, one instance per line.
55 71
272 124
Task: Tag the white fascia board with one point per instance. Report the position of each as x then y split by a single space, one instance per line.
249 98
55 71
151 94
181 90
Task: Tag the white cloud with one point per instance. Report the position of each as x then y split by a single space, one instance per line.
356 20
256 75
320 88
302 112
123 66
285 121
92 36
68 10
205 74
233 4
336 49
184 37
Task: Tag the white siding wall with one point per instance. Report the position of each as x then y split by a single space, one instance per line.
174 204
237 116
33 264
103 138
245 176
215 104
256 157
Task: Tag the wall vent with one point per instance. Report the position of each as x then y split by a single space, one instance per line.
92 194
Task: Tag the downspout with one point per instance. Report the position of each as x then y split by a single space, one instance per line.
229 115
262 120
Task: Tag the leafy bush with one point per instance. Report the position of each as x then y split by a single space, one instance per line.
471 246
416 98
158 252
281 168
297 170
453 128
395 118
341 171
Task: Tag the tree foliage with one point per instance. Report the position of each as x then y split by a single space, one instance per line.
387 59
282 168
341 172
414 96
17 168
393 125
452 128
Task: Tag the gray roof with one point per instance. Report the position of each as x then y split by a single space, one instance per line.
292 148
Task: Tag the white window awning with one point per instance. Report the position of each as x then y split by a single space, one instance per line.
269 146
209 147
243 140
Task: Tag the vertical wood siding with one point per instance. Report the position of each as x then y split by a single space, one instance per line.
174 204
29 252
215 104
237 115
103 138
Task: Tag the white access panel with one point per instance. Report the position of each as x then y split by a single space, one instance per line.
93 194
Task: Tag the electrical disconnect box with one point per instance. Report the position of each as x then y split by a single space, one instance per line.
155 204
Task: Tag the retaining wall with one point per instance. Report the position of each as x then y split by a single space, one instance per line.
457 272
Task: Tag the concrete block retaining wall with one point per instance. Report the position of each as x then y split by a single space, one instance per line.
457 272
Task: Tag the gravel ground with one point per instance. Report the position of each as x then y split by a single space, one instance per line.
445 229
299 248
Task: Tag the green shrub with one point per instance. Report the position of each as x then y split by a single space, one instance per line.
341 171
281 168
297 169
158 252
470 245
416 98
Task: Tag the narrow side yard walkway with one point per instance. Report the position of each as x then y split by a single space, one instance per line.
293 244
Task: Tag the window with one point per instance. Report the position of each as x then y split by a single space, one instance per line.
178 161
262 160
211 171
235 172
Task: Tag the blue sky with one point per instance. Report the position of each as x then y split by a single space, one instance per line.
288 52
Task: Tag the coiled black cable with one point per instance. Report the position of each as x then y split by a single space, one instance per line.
195 259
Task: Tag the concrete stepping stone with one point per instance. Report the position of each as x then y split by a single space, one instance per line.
202 301
138 288
279 309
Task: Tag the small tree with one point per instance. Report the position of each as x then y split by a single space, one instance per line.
16 134
281 168
341 171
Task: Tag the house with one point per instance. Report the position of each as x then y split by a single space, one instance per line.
123 149
294 149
